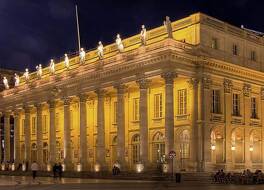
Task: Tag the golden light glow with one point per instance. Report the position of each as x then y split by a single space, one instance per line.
233 147
79 167
3 167
251 148
213 147
139 168
97 167
24 167
165 168
13 167
48 167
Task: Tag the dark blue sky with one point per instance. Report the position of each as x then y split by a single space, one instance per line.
34 31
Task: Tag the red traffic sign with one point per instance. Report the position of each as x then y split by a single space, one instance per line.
172 154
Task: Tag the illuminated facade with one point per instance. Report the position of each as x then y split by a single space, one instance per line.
199 92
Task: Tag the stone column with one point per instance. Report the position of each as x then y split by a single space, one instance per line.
1 155
194 129
143 117
17 137
7 137
100 146
262 123
120 117
52 132
67 135
27 129
83 132
39 135
169 111
228 130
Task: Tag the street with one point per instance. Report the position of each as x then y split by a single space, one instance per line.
45 183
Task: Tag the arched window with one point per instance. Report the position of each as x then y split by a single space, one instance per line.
158 148
34 152
255 146
135 149
45 153
237 145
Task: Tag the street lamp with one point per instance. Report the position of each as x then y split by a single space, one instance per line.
233 147
213 147
251 148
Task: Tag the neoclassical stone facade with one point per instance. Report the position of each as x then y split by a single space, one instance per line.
198 91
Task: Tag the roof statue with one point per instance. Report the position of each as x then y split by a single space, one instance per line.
52 66
39 70
100 50
26 75
119 43
5 81
66 61
82 55
167 24
17 80
143 35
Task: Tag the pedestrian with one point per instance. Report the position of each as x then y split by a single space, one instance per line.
34 169
55 170
59 168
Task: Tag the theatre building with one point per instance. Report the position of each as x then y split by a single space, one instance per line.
196 88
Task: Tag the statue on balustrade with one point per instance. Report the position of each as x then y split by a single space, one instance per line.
119 43
39 70
17 80
143 35
82 55
167 24
100 50
66 61
26 75
5 81
52 66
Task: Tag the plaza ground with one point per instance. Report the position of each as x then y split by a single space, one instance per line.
47 183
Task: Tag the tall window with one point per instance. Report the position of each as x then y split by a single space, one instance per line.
34 152
157 105
57 122
23 127
158 148
71 119
115 112
254 108
236 105
44 123
253 56
214 43
45 153
216 101
135 149
185 144
182 102
235 49
136 109
33 125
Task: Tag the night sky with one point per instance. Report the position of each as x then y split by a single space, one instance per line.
34 31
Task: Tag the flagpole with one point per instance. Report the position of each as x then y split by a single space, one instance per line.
78 30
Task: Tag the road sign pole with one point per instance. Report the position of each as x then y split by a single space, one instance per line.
172 168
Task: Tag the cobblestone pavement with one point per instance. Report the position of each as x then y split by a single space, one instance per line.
45 183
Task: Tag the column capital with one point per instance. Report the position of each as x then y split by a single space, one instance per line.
143 83
120 88
83 97
169 76
38 106
26 108
7 113
100 92
193 83
262 93
52 104
206 82
247 90
227 85
66 101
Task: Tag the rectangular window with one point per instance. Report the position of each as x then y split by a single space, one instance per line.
254 114
23 127
235 49
157 105
253 56
182 102
136 109
216 101
214 44
44 124
33 124
236 105
57 122
115 112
